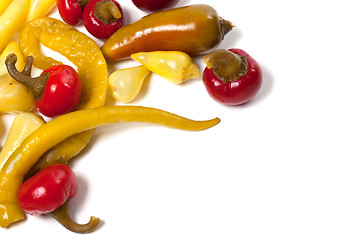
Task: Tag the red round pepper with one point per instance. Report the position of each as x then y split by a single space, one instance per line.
47 190
62 92
232 77
57 90
71 10
102 18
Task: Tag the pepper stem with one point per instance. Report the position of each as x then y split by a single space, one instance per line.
62 216
107 11
226 65
36 85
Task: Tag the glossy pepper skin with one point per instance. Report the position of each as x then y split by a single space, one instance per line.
47 190
62 92
193 29
57 90
84 52
12 18
64 126
39 8
232 77
102 18
71 10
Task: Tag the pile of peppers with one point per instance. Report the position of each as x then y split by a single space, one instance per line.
34 174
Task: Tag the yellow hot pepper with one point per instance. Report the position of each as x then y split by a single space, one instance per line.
174 66
39 8
14 97
91 66
22 126
125 84
62 127
11 20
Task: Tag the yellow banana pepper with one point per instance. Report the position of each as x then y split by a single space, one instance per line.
12 19
91 66
64 126
22 126
39 8
14 97
4 5
174 66
125 84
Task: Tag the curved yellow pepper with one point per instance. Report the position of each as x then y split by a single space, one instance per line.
174 66
91 66
62 127
11 20
39 8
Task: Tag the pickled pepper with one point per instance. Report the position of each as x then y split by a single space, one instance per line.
83 52
64 126
193 29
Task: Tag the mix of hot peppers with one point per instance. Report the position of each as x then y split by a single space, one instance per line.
34 176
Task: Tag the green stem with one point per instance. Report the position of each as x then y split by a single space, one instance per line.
36 85
107 12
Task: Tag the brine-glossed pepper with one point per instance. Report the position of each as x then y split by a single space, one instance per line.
231 77
194 29
57 90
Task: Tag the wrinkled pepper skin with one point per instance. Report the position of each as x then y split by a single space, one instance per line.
194 29
64 126
91 66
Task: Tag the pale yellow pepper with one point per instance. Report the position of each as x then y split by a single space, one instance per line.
174 66
21 127
14 97
11 20
40 8
125 84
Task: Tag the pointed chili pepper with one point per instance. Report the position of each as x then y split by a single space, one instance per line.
57 130
71 10
194 29
56 91
102 18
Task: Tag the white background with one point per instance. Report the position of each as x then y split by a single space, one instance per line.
284 166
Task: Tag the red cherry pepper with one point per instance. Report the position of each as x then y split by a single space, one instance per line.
232 77
71 10
47 190
57 90
102 18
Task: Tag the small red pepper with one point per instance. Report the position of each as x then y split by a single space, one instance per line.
47 190
102 18
232 77
71 10
57 90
